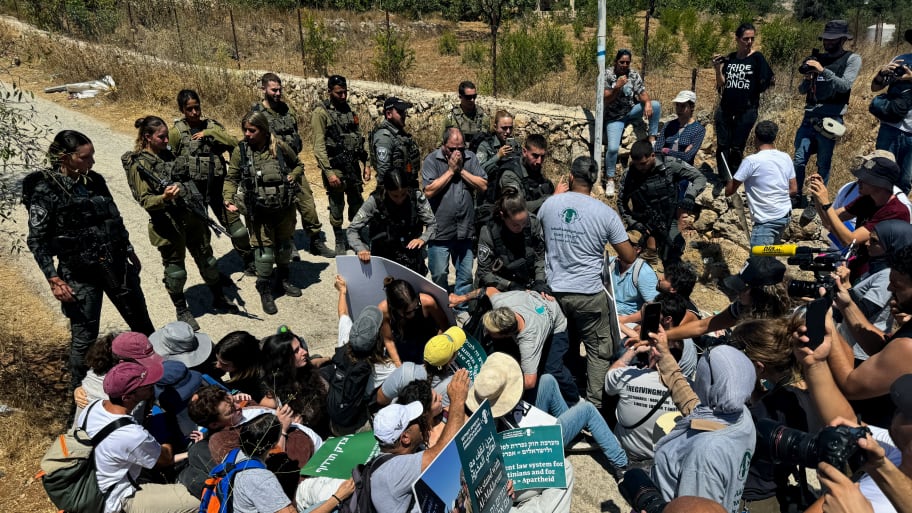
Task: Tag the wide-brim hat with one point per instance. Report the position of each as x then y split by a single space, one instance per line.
177 341
835 29
500 381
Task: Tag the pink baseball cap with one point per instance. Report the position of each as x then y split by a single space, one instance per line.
135 346
125 377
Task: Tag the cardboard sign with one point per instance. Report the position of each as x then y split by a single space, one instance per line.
534 457
338 456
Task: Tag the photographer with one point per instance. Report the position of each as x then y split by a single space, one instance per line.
895 134
884 485
828 79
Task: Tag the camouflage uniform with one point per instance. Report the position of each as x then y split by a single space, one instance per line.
394 150
77 221
474 128
203 160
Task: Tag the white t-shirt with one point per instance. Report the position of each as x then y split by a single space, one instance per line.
577 228
127 450
869 488
766 176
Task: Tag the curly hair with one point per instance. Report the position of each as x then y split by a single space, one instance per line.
204 406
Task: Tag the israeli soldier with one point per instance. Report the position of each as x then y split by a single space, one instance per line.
469 118
392 148
283 122
339 150
72 216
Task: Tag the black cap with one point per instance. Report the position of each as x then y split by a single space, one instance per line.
877 171
395 103
836 29
336 80
759 271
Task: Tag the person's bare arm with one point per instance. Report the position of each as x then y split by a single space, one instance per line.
439 183
386 332
625 252
720 321
475 182
868 336
896 485
457 391
529 381
731 186
342 287
683 396
875 375
826 396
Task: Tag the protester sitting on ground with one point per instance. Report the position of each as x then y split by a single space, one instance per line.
410 319
679 278
877 175
401 430
886 483
533 329
500 382
121 456
382 364
172 393
258 490
643 398
177 341
237 355
683 136
634 284
213 409
438 368
432 402
287 372
99 361
760 293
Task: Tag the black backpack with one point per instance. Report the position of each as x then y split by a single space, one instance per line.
360 501
347 402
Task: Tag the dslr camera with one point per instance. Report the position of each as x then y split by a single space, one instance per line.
804 69
821 266
891 76
837 445
640 492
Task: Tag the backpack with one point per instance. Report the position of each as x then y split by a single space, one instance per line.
346 402
608 264
68 466
217 492
360 501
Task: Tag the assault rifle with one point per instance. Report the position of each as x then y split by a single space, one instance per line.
248 182
189 198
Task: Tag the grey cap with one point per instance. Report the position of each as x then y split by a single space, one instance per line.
365 329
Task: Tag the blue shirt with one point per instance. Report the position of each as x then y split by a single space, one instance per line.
630 297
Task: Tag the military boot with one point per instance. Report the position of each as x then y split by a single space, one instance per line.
341 242
264 287
318 246
220 302
183 311
290 289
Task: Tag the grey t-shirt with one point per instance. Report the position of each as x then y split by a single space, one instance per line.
453 205
542 317
257 490
410 371
391 486
873 299
577 228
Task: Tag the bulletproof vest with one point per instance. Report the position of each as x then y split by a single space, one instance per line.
405 158
284 126
473 130
395 228
533 188
838 65
514 268
344 143
198 158
268 180
657 194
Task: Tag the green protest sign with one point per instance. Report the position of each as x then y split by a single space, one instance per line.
534 457
470 356
338 456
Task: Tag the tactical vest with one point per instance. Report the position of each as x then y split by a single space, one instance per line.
522 269
657 194
268 180
405 157
473 130
532 189
284 126
199 159
384 227
344 143
838 66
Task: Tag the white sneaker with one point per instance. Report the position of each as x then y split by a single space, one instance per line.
609 188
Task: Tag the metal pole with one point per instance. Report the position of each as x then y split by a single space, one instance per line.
180 38
132 25
301 37
599 128
237 51
646 39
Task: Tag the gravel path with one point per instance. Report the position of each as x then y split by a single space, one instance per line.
312 316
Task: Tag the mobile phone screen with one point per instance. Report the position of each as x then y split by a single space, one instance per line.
652 315
815 320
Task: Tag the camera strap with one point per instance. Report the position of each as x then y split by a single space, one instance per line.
649 415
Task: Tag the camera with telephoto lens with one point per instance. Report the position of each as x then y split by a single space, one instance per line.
836 445
892 76
804 69
821 266
640 492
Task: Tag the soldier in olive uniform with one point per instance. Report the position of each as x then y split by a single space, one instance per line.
469 118
500 146
177 216
283 122
526 174
261 183
72 216
199 144
392 148
339 149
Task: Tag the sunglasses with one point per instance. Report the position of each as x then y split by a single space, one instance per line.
469 96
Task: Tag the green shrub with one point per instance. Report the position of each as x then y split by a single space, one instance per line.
319 46
584 58
671 19
703 42
786 40
447 44
689 20
553 46
663 48
476 53
394 58
528 53
632 28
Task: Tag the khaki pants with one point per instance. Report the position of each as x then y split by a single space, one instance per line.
587 321
162 498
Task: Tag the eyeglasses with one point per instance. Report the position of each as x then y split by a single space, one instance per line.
469 96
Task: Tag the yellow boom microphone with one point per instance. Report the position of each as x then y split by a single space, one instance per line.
784 250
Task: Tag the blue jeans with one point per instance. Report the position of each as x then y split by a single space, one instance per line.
614 130
582 415
898 143
554 366
770 232
809 141
460 251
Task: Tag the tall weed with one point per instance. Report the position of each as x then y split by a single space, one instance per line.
393 56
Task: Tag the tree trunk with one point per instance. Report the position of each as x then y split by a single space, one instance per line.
494 30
